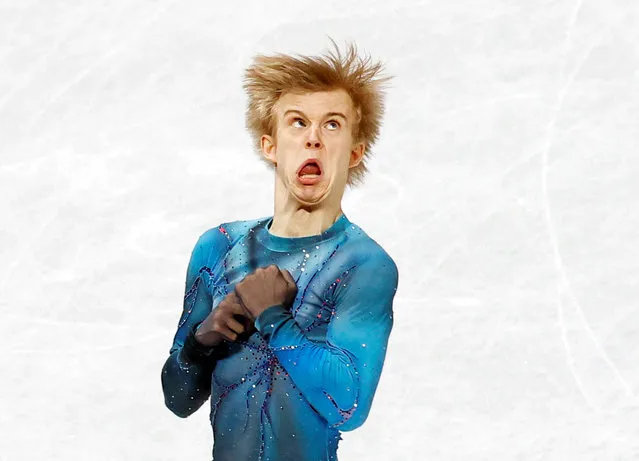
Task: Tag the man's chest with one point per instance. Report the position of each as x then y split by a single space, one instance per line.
316 278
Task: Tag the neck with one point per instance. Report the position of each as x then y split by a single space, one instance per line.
302 223
293 218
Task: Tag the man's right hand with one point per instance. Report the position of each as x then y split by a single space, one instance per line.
221 325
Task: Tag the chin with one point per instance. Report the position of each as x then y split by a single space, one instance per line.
310 194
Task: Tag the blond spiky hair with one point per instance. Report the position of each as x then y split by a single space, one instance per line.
270 77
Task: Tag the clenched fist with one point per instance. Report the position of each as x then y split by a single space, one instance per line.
266 287
226 322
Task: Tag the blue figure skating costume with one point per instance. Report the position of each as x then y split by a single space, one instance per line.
311 369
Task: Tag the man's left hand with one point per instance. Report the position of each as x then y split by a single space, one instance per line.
266 287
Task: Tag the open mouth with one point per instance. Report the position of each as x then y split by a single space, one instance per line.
311 168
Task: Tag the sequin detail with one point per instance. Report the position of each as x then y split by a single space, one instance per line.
192 293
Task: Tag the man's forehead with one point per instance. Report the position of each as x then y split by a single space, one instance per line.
321 101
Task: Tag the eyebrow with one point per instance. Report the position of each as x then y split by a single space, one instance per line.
330 114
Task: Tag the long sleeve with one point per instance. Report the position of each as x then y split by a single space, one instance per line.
339 378
186 374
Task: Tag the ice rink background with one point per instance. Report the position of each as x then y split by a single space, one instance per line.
505 186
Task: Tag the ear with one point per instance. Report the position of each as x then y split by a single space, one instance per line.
268 148
357 154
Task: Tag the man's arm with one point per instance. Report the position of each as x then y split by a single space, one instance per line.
186 374
339 378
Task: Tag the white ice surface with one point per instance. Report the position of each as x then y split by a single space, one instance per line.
505 186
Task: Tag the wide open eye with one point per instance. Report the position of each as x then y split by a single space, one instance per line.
334 123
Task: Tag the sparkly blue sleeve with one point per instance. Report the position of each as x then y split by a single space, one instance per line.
339 377
186 374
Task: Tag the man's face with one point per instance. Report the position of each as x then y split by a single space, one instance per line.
314 125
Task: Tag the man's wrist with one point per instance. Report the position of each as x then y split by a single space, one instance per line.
271 313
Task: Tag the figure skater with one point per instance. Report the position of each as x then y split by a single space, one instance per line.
286 318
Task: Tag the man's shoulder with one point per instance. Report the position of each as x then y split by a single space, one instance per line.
363 261
363 245
228 233
361 248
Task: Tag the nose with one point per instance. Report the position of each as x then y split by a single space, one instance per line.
313 140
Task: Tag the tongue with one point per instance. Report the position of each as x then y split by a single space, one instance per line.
310 169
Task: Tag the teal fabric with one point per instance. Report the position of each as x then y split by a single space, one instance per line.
310 371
